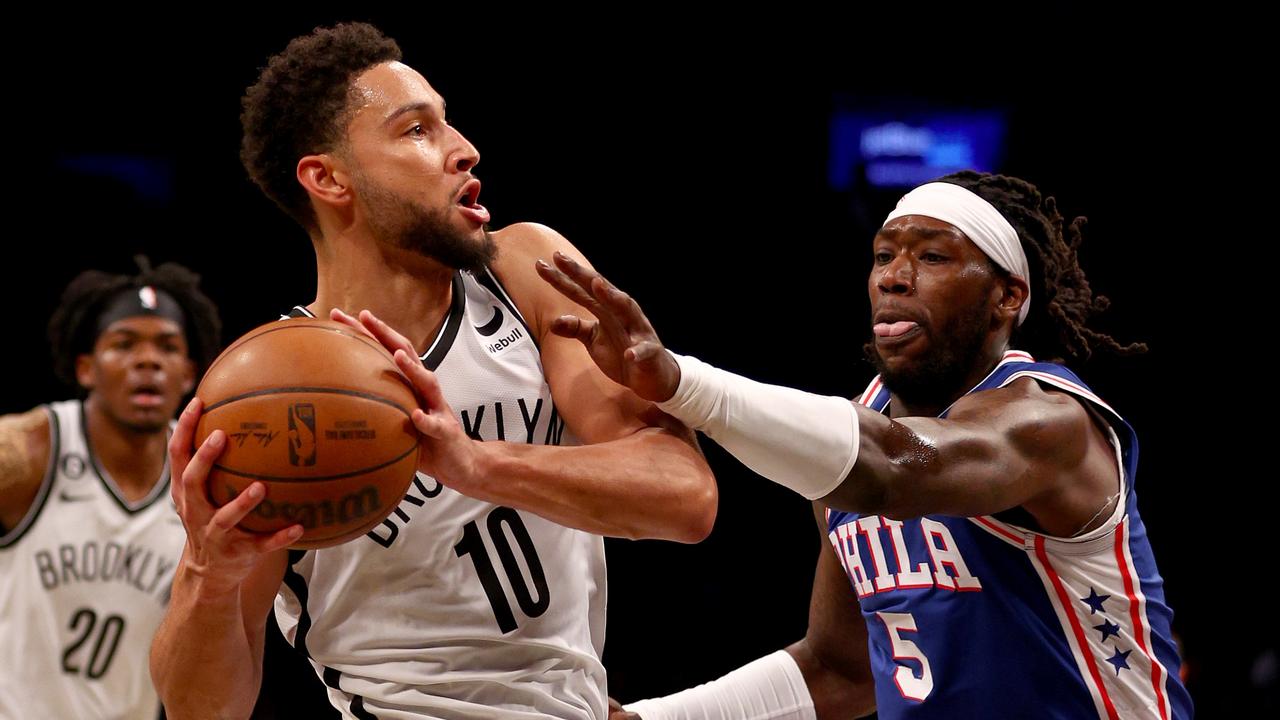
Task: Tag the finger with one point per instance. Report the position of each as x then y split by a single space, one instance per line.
574 328
196 505
424 382
230 515
278 540
566 285
644 353
183 437
337 315
433 425
384 333
621 306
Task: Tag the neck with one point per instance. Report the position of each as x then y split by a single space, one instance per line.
407 291
133 458
934 406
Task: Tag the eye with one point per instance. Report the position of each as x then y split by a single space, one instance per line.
883 257
417 130
933 257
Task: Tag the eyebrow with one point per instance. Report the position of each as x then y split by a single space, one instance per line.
412 107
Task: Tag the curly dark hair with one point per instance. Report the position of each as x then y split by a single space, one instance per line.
73 329
301 104
1062 301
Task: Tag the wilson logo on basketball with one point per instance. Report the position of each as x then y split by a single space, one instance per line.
320 513
302 434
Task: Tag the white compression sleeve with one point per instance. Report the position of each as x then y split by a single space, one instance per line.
770 688
797 439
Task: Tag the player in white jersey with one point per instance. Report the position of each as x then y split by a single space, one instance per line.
88 534
482 595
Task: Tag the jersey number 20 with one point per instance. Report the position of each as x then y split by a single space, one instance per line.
105 642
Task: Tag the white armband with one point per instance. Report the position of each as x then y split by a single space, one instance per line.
802 441
770 688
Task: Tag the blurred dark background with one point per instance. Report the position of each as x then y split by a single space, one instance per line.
688 155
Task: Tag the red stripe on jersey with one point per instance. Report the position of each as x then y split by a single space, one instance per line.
1136 618
997 529
872 390
1081 642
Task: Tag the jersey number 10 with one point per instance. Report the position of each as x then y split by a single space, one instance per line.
499 522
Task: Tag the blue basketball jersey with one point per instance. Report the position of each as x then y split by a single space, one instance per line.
980 618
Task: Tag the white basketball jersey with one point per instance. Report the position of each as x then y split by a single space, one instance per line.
86 578
454 608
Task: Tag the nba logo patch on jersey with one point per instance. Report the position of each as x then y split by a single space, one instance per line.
498 337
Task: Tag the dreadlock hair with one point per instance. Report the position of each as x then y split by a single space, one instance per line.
73 329
1062 301
302 104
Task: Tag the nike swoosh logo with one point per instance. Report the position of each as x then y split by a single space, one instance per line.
63 496
492 326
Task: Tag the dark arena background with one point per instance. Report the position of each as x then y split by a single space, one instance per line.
706 165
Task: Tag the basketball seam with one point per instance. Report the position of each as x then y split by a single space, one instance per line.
306 389
321 478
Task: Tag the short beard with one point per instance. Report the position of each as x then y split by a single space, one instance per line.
940 377
404 225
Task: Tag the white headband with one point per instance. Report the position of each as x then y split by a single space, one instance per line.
977 219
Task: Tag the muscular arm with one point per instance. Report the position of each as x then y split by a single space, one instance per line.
639 474
997 449
24 458
833 655
1020 445
206 658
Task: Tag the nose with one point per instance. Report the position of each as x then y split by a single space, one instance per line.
464 156
146 355
898 277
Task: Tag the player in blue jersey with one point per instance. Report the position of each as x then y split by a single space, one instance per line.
979 504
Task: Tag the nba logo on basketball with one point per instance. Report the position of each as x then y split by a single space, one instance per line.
302 434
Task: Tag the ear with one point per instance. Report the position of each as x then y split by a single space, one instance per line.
325 179
84 371
1013 293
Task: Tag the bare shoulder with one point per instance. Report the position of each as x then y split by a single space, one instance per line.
1032 417
519 247
24 455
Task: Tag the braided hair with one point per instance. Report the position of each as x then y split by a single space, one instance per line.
1057 324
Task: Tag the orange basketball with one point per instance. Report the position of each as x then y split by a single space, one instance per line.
320 414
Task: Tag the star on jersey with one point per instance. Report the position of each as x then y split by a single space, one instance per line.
1118 660
1094 601
1108 629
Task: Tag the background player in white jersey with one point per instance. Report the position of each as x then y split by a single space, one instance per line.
482 596
980 505
88 536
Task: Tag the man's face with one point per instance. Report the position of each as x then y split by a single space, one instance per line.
411 170
932 298
138 372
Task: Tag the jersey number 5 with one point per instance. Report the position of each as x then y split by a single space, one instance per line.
500 521
911 687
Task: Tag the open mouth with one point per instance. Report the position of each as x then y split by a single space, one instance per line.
468 203
147 396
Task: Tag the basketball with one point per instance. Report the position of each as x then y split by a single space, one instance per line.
319 413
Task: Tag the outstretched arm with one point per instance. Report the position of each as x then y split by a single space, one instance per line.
1017 445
